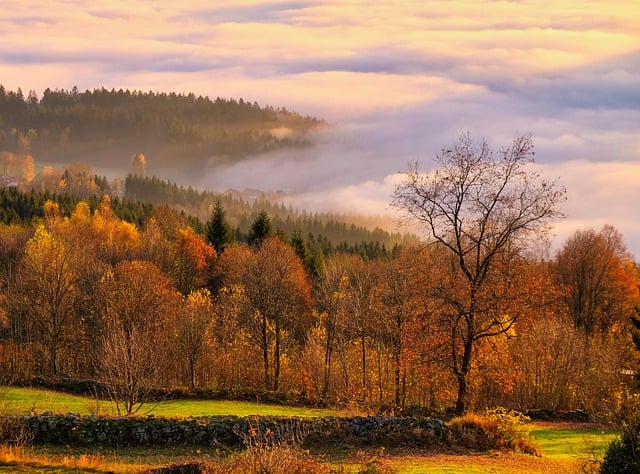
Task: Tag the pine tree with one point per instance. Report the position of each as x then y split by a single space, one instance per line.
299 245
260 229
219 233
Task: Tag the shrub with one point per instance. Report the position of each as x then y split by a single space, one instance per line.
492 430
375 465
14 432
274 450
274 460
623 455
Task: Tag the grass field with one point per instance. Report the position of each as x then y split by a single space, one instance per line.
571 440
28 400
566 447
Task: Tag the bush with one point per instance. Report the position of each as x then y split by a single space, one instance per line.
492 430
274 449
375 465
14 432
623 455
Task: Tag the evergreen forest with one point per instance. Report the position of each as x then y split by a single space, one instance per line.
108 126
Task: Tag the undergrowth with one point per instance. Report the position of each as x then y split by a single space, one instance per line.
498 429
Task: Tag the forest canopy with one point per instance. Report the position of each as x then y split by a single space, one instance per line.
100 124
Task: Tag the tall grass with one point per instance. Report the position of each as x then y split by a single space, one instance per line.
499 430
21 458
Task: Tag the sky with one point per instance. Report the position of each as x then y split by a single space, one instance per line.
397 80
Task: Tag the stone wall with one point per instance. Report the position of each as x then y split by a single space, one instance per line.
229 431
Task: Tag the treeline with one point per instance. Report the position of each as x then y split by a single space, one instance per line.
92 296
68 125
332 229
22 208
320 235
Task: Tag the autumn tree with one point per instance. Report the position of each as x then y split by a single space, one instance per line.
20 167
89 266
139 303
279 296
193 260
117 240
332 287
598 279
12 312
481 209
364 307
397 298
78 179
138 165
47 179
48 292
191 327
233 364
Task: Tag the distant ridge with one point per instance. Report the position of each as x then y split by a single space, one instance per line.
103 126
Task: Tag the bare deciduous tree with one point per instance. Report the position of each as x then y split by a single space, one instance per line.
481 209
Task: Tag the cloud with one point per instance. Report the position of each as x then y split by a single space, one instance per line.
398 80
249 12
599 194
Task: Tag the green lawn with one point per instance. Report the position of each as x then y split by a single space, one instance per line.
572 440
27 400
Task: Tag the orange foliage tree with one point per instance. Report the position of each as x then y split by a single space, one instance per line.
278 295
598 279
139 304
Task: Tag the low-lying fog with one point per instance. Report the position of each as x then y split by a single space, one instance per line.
397 79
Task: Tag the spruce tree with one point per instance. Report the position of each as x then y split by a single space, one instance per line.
219 233
260 229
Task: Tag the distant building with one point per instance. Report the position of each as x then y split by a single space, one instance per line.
7 181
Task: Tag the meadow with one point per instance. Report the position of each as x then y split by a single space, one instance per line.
564 446
19 400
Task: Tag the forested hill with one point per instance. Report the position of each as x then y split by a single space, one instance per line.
176 206
94 126
333 230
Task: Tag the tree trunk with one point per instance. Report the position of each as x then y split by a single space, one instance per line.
462 375
327 366
265 354
396 357
53 356
363 347
192 372
276 358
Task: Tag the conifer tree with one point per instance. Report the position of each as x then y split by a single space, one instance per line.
219 232
260 229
